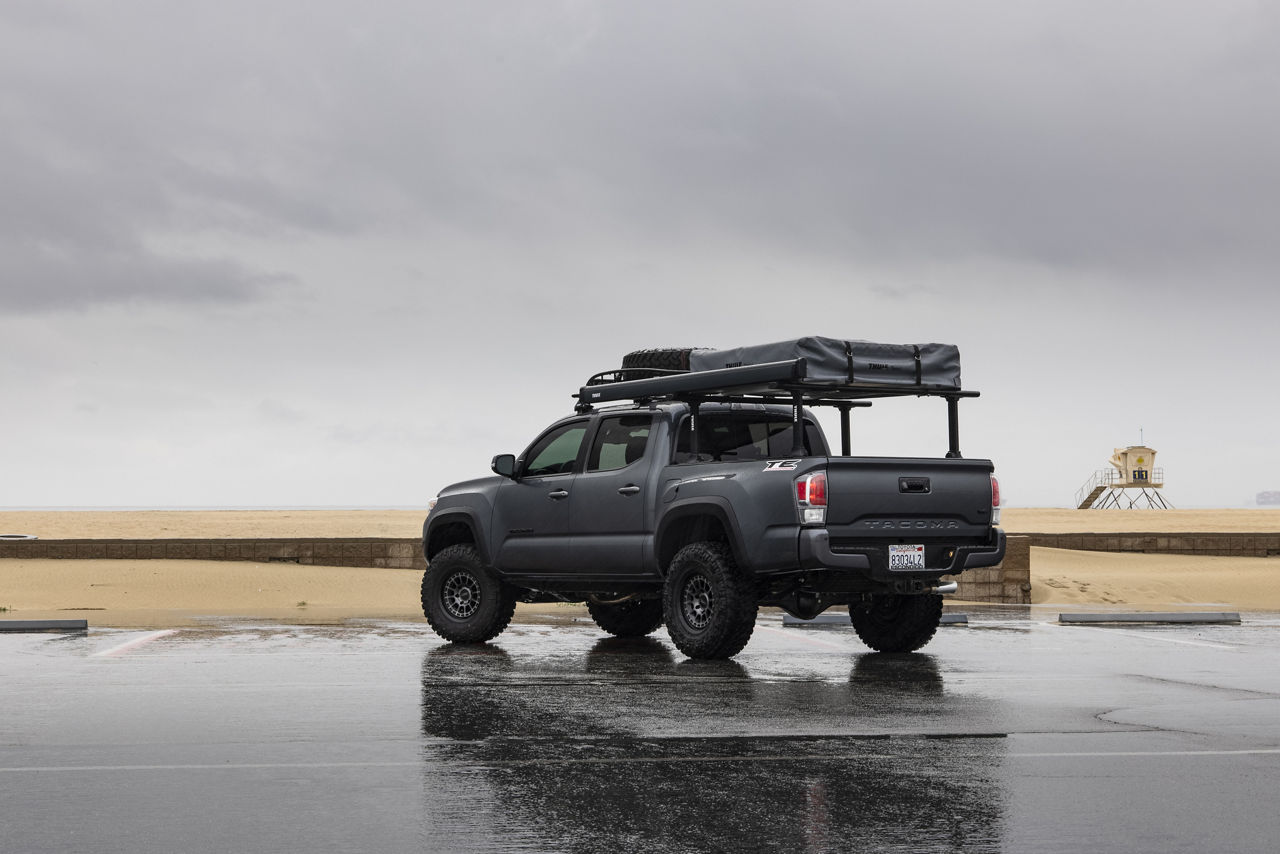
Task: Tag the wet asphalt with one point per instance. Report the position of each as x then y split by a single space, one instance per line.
1011 734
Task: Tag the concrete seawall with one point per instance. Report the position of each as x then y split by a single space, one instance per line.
1009 583
1228 544
389 553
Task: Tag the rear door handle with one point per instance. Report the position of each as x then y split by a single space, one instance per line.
628 490
558 495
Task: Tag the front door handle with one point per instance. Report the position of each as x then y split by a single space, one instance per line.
628 490
558 495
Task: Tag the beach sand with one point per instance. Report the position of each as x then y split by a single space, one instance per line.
1154 582
239 524
205 524
164 593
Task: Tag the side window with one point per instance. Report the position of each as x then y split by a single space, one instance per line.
620 441
556 452
742 436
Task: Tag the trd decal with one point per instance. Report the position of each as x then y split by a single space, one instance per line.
781 465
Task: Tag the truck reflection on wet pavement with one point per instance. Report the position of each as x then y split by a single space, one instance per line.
641 747
1013 734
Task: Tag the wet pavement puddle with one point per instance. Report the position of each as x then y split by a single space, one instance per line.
1008 735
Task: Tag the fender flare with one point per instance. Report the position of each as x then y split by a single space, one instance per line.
456 516
705 505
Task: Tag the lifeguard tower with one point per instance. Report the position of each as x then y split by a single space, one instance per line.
1132 483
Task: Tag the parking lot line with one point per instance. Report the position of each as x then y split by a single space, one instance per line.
131 645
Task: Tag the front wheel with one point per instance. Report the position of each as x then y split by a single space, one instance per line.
462 599
893 622
709 608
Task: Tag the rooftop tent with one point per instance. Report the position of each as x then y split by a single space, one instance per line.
813 371
837 361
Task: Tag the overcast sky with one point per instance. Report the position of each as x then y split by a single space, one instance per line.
321 253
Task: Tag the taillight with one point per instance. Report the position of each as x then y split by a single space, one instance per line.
995 501
811 498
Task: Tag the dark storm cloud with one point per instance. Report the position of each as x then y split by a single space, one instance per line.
1136 137
1129 137
108 155
315 252
43 278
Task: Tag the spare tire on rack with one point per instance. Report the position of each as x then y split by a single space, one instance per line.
664 360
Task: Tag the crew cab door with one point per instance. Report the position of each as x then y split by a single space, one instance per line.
531 514
607 509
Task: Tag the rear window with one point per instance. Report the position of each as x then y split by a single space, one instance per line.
730 436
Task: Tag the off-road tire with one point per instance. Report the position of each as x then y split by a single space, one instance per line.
648 363
892 622
462 599
631 619
709 608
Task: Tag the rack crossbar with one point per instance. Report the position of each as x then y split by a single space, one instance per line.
759 382
720 381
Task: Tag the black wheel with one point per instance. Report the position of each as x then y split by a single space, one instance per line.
892 622
632 619
709 608
461 598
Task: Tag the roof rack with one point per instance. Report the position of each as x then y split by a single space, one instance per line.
760 383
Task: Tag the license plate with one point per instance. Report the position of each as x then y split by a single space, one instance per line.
906 557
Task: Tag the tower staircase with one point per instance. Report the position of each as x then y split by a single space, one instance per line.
1093 487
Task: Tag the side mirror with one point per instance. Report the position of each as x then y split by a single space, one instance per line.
504 464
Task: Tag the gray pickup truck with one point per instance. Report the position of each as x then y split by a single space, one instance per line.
714 492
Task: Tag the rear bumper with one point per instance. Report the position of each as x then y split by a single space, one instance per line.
815 553
976 557
872 562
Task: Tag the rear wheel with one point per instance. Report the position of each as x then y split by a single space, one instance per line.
892 622
709 608
631 619
462 599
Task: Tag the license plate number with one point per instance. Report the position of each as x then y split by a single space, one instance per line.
906 557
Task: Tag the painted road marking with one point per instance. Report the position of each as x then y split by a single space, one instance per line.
793 757
795 634
131 645
1076 627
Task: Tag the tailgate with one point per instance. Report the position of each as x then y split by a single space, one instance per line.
917 500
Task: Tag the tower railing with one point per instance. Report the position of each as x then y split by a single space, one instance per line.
1102 477
1108 478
